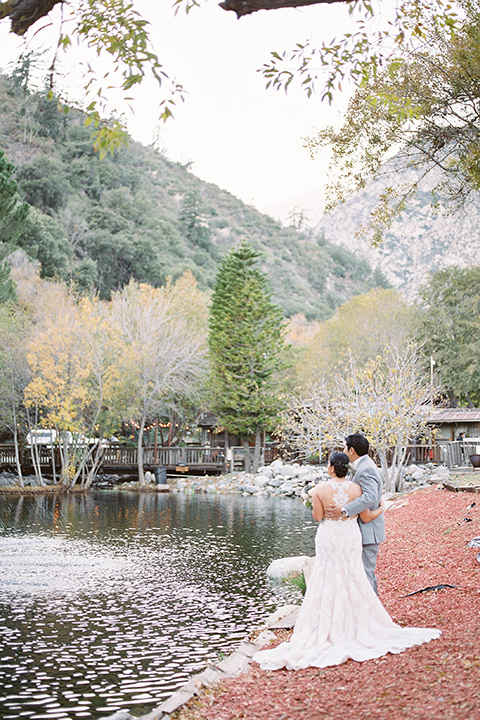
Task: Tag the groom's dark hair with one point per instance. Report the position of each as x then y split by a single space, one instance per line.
358 442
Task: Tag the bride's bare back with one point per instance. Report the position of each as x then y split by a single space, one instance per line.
324 495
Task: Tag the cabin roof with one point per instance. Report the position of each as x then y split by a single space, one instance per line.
439 415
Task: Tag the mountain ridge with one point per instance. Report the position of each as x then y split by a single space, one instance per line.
138 215
420 241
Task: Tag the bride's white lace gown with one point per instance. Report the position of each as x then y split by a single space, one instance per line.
341 617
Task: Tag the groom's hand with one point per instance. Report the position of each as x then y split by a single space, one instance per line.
333 511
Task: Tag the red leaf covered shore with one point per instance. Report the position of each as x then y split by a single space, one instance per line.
427 533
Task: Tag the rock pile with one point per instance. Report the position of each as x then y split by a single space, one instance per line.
423 475
10 480
277 479
291 480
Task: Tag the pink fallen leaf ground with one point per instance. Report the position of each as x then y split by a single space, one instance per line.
427 534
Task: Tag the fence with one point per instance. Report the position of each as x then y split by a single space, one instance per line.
458 452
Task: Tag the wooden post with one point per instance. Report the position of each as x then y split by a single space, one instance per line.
155 443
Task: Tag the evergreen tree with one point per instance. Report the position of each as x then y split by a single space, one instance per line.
448 328
193 222
245 343
13 214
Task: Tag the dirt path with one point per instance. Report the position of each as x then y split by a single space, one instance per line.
427 533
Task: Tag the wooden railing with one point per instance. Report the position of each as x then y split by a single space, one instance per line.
7 455
426 453
121 457
118 455
457 453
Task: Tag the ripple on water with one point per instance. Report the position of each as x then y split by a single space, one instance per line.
114 600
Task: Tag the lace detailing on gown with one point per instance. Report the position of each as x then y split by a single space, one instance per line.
340 491
341 617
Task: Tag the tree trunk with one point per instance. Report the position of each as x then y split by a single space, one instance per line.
394 474
54 466
386 475
36 464
98 455
64 451
141 473
258 447
15 440
34 451
226 446
247 457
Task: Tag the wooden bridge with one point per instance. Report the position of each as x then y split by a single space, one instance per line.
121 460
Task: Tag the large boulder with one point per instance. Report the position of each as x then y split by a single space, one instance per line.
286 567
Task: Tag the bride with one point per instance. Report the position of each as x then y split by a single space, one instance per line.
341 617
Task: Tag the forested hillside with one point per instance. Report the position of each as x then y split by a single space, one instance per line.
99 222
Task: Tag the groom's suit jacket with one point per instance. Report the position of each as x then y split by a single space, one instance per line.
368 476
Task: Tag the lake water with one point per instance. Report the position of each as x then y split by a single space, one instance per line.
113 600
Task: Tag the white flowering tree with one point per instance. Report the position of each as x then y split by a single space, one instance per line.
386 399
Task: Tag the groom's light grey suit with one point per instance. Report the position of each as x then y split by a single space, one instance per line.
368 476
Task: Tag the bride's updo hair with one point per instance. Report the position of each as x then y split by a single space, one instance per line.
339 462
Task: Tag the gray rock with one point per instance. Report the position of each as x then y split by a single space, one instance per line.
281 613
250 489
303 471
265 471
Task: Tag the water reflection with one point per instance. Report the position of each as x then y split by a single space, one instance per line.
111 600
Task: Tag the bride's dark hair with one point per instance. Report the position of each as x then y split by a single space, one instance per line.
339 462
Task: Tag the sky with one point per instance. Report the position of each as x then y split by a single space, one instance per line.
234 132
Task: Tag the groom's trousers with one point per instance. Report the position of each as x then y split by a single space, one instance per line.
369 558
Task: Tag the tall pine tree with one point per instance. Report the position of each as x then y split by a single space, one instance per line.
245 342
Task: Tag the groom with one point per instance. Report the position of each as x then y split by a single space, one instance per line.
367 475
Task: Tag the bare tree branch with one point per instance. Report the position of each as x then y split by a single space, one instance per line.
247 7
24 13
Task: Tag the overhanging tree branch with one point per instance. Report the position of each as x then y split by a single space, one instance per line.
247 7
24 13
